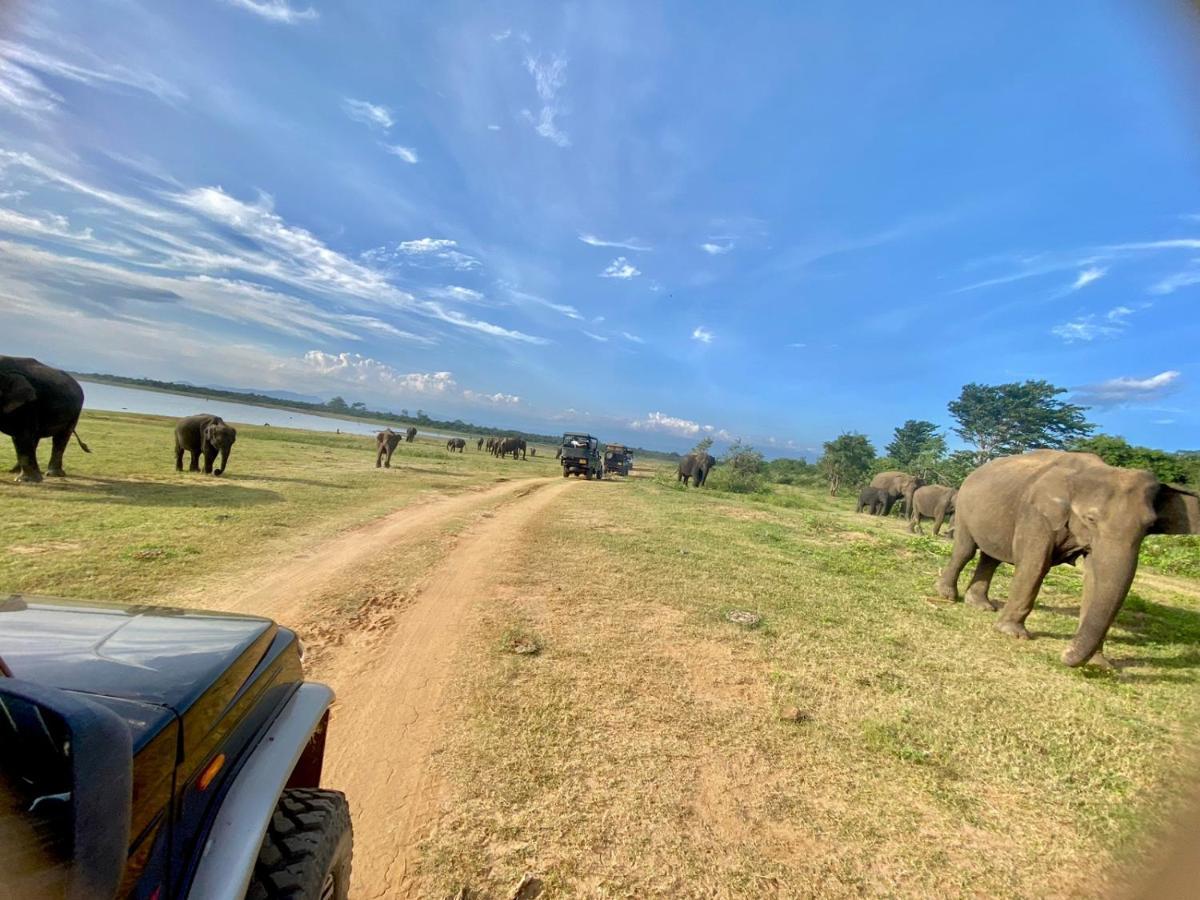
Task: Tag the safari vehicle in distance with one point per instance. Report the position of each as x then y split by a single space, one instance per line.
580 455
148 752
618 458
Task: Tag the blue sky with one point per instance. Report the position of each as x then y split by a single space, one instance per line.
652 221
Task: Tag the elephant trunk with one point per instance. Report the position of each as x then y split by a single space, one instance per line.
224 461
1108 572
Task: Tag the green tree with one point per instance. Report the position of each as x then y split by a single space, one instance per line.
847 460
1169 468
742 469
915 439
337 403
999 419
703 445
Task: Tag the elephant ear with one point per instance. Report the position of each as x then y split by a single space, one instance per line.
15 392
1178 512
1051 499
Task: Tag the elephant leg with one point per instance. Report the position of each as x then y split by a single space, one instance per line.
964 549
981 581
27 463
210 454
178 458
194 466
1032 567
938 519
58 446
914 524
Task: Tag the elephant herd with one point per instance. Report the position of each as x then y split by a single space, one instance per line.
1041 509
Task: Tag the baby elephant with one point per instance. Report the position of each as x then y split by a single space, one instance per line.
933 501
205 434
873 500
385 446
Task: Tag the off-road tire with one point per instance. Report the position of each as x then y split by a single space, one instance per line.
306 850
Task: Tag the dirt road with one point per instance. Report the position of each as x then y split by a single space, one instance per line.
390 684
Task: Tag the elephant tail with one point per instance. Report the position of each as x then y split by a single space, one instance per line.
82 446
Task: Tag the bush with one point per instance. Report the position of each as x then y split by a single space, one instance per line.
742 470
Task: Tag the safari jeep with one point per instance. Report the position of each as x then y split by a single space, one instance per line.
158 753
580 455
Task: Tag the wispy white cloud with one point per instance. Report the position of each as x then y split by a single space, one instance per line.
549 77
620 268
627 244
279 11
456 292
632 337
22 90
702 334
408 154
596 337
1089 327
459 320
502 35
423 251
493 127
714 249
797 345
370 114
1127 391
1171 283
564 309
1088 276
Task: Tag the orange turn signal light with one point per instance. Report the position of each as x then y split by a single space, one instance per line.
210 772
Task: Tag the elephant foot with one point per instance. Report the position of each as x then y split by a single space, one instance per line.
1014 629
947 591
980 601
56 473
28 478
15 469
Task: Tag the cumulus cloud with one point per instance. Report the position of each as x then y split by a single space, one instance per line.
357 369
715 249
620 268
408 154
657 421
702 334
497 399
627 244
370 114
279 11
1126 391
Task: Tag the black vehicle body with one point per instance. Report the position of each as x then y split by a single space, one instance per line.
618 458
197 691
581 456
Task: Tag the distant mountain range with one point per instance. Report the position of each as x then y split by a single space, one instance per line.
265 392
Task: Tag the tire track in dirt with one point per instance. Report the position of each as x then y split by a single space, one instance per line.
391 699
282 593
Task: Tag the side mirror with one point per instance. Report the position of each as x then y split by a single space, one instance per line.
66 781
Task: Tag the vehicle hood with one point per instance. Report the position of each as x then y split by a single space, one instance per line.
147 654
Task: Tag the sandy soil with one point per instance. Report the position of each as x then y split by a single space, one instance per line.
390 681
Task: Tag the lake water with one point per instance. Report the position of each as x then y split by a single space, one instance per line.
115 398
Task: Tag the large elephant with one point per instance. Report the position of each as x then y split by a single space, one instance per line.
696 466
410 435
514 445
899 486
454 444
385 445
931 501
1048 507
38 402
203 434
872 500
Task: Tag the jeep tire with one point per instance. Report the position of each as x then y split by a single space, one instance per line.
306 850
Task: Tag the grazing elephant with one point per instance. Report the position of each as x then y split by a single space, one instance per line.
203 434
1048 507
385 445
458 444
872 500
410 435
514 445
479 444
899 486
931 501
696 466
38 402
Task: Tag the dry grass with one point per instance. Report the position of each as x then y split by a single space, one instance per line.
863 739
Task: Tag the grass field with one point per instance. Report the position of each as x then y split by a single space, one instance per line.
127 526
861 738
